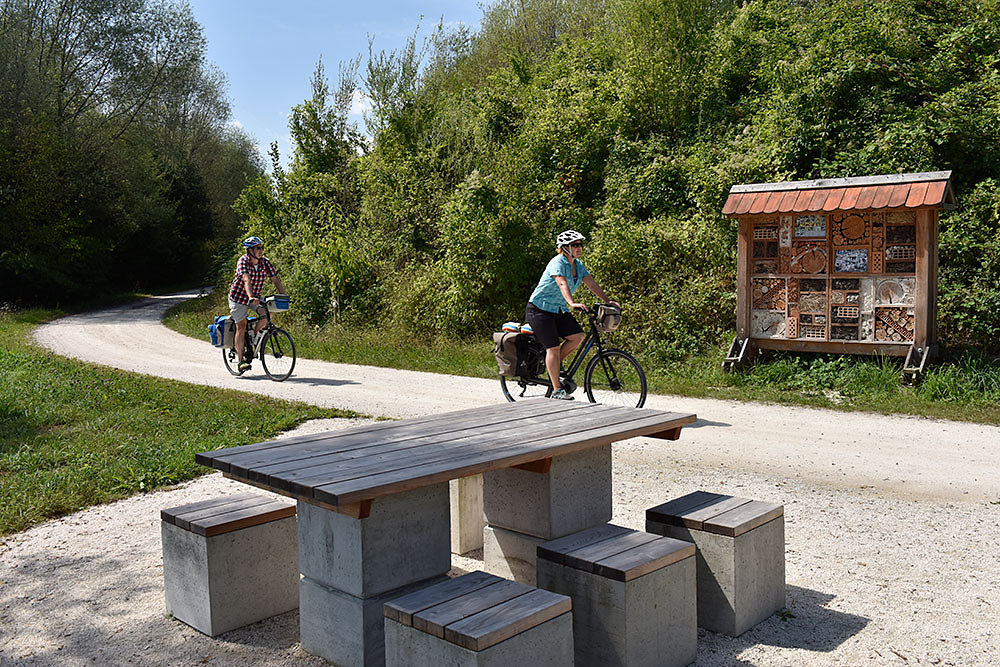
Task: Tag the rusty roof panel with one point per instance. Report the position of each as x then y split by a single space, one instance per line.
772 202
916 196
935 193
833 199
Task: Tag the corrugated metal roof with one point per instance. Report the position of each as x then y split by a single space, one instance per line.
842 194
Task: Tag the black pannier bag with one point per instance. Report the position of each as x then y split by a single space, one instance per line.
518 355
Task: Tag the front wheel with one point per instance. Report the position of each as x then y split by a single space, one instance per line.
521 389
615 378
277 354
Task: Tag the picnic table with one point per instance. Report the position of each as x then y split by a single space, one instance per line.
373 507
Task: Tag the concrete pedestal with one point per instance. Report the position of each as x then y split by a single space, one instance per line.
467 519
350 567
509 554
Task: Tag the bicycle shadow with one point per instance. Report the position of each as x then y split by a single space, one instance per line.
312 382
701 423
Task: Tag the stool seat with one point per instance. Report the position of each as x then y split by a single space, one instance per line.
715 513
479 619
633 595
223 515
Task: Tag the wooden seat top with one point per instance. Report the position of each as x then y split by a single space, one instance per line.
226 514
615 552
477 610
715 513
341 468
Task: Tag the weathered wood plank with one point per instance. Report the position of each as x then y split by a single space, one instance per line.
243 518
643 559
556 550
433 620
698 516
187 519
586 557
403 608
483 459
169 514
503 621
744 518
671 512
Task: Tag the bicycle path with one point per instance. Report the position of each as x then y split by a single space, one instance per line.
907 457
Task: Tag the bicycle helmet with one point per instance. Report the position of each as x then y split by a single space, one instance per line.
252 241
567 237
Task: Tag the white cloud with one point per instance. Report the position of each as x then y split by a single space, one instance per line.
235 123
360 103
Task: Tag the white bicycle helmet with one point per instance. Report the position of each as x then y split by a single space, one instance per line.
567 237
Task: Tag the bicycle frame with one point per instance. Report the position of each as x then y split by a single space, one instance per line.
593 338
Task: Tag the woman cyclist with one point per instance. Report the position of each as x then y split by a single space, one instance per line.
252 271
548 309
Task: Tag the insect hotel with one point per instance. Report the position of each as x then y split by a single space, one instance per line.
846 265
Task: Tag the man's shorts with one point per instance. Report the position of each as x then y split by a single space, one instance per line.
238 310
549 327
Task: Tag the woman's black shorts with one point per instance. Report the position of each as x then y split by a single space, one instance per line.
549 327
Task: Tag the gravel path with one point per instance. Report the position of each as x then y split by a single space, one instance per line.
892 531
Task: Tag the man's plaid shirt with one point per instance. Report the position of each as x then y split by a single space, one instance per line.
258 276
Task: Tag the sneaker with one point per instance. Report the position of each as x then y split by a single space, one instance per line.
561 395
243 367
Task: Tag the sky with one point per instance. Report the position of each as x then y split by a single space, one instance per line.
268 49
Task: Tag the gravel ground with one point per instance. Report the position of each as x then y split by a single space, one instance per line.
892 531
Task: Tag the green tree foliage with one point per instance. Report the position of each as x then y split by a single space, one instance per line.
629 120
117 168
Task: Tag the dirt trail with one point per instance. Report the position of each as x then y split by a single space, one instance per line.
892 531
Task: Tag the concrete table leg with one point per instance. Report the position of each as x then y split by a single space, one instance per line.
467 514
351 566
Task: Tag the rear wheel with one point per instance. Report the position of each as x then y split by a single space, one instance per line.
615 378
521 389
277 354
231 360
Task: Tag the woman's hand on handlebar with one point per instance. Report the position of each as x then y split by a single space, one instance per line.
580 306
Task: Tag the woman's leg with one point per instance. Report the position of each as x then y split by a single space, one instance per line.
572 342
553 359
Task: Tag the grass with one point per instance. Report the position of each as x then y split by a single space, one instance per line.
965 387
74 434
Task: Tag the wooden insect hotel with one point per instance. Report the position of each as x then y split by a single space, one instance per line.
846 265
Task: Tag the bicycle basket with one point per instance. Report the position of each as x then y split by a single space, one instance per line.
608 318
277 303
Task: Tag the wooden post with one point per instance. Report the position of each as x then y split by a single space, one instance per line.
923 305
743 297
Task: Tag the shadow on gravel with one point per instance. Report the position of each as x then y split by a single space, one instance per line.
320 382
809 625
701 423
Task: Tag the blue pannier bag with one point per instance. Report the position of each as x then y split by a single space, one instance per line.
217 330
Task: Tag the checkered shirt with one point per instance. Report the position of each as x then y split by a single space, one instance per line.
258 276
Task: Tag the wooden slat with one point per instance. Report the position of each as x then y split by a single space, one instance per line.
556 550
586 558
743 205
670 512
744 518
935 193
850 198
643 559
833 199
170 513
392 458
403 608
897 195
244 518
916 196
503 621
483 459
759 200
697 517
220 458
260 466
773 200
788 201
866 197
433 620
730 205
818 199
186 519
802 201
882 194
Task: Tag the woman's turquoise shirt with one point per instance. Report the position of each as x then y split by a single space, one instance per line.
547 295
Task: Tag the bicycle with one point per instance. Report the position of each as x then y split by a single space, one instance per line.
612 377
272 345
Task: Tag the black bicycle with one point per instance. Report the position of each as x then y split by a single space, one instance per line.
272 345
612 377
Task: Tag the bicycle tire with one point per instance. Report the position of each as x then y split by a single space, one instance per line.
229 358
525 389
614 377
275 351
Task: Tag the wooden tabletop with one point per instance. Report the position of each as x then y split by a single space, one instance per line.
346 470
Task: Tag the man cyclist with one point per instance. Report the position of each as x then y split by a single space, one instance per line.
252 271
548 309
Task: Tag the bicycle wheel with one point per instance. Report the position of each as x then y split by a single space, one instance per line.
231 360
277 354
615 378
521 389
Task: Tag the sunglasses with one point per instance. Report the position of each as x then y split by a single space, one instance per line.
576 244
257 247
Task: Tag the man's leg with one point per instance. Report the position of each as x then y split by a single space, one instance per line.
240 337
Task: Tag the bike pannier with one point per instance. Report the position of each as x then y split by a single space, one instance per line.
506 352
222 331
608 318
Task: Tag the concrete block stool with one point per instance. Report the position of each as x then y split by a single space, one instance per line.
479 620
229 562
741 556
633 595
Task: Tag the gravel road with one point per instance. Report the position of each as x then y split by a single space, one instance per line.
892 531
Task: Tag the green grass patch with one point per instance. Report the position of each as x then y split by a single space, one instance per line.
74 434
965 386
